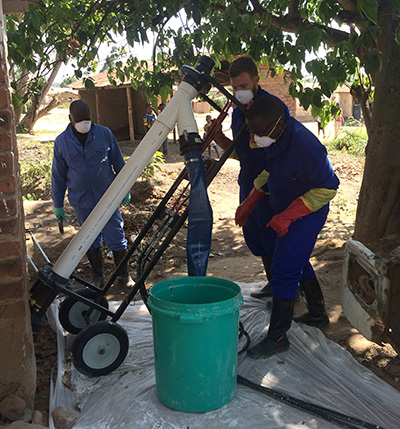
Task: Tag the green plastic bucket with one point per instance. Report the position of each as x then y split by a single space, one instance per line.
195 334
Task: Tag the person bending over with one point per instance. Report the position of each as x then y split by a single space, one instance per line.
300 181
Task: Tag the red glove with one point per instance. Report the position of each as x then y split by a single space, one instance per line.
247 206
281 222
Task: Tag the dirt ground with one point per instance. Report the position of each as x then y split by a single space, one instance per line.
229 257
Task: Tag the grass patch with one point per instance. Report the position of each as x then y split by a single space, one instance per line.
36 172
351 139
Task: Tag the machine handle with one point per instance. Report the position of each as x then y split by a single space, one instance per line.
61 225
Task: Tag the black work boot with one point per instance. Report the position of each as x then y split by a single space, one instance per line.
124 277
276 340
265 291
314 300
96 261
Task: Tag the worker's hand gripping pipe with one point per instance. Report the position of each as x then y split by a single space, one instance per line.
178 111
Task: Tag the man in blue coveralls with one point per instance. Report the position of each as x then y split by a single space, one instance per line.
300 182
86 160
254 205
244 79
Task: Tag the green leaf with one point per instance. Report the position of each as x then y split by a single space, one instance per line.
397 35
89 84
16 100
396 4
164 92
317 99
307 98
374 62
368 8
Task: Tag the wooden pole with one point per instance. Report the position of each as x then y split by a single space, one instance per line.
130 113
97 98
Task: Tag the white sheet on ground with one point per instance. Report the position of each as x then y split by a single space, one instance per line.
314 369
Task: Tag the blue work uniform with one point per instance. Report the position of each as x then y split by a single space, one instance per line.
87 171
148 120
259 239
298 166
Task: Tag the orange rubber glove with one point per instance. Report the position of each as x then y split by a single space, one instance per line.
281 222
247 206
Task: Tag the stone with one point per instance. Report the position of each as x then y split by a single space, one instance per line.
12 407
37 418
63 418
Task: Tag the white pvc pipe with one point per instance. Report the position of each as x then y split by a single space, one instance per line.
179 110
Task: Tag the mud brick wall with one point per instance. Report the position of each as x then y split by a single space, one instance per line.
17 358
278 86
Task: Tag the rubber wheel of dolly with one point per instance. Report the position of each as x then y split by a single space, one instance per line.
71 312
100 348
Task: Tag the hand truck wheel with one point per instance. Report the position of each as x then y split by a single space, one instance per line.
72 312
100 348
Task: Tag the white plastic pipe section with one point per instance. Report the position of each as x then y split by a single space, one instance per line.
178 111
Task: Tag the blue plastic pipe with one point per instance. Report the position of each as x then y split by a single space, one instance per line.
200 216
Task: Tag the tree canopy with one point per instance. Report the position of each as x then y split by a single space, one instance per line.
282 34
350 42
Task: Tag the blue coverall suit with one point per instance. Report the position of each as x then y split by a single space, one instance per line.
298 167
87 171
259 239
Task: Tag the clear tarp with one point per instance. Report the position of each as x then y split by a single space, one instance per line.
314 369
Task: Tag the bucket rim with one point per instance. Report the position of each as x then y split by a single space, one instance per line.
226 305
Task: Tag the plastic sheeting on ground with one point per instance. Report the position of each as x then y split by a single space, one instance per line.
315 370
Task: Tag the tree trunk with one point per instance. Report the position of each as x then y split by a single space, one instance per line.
21 92
378 211
52 105
31 115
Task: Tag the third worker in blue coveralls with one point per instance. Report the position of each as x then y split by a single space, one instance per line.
254 202
300 181
86 160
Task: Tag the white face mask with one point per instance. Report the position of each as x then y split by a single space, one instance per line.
263 141
244 95
83 127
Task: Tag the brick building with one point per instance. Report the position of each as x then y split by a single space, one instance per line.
278 86
17 358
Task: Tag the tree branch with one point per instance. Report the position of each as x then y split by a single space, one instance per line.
348 5
99 26
43 112
286 23
294 8
292 23
362 95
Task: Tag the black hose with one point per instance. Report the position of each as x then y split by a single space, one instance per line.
326 413
241 333
317 410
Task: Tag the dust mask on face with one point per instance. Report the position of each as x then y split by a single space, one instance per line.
263 141
244 95
83 127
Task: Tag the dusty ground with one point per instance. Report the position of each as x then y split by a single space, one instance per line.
229 259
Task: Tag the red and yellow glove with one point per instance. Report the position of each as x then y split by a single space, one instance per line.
281 222
247 206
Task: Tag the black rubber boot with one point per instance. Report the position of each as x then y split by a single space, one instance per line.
265 291
96 261
276 340
124 277
314 300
